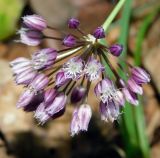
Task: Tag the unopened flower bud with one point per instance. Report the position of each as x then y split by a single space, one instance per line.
20 65
30 37
74 127
40 82
77 94
116 49
130 96
119 99
57 105
84 114
73 23
61 79
35 102
99 33
140 75
80 119
20 61
134 87
49 95
69 41
25 98
25 77
35 22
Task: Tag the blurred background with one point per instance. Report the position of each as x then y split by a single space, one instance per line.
20 134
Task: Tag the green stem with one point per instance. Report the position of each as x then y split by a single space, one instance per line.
141 35
139 112
127 125
113 14
132 124
106 24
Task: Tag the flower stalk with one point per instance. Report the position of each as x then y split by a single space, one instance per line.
113 14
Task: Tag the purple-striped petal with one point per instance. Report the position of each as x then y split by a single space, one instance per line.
57 105
50 95
61 79
44 58
130 96
35 22
84 114
140 75
40 82
25 98
134 87
30 37
109 111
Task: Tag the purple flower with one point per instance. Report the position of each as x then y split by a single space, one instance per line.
35 102
40 82
20 65
139 75
30 37
73 23
25 98
61 79
99 33
77 94
130 96
50 76
74 127
41 114
107 92
116 49
102 85
109 111
44 58
57 105
20 61
25 77
134 87
35 22
50 95
80 119
23 70
93 69
84 114
69 41
73 68
120 98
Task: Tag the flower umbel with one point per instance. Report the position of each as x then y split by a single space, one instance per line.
53 77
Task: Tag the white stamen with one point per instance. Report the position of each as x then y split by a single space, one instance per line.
42 59
93 69
73 69
110 93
